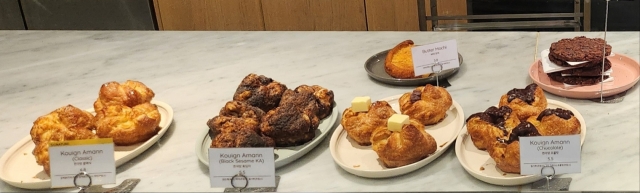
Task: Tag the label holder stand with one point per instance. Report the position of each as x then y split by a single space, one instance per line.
437 72
244 187
81 187
550 183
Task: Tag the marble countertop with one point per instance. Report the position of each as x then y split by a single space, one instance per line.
197 72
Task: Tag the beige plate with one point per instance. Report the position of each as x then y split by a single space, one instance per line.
283 155
19 167
473 159
363 161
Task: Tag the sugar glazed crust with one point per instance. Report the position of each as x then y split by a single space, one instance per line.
399 61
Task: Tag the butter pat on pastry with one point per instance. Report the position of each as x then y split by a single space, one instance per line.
396 121
361 104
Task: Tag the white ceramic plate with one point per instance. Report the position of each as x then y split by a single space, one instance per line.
473 159
363 161
283 155
19 167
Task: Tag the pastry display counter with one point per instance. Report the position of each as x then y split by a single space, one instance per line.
196 73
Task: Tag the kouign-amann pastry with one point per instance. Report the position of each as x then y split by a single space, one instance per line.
486 127
289 126
399 61
404 145
324 99
506 152
427 104
359 124
552 122
526 102
241 138
124 112
260 91
63 124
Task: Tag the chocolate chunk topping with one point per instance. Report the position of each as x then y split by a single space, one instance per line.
524 129
416 95
493 115
527 94
565 114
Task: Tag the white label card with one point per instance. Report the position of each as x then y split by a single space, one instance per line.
428 58
562 153
256 164
93 156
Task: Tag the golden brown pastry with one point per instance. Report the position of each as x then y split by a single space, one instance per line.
399 61
556 122
124 112
506 152
526 102
360 125
241 138
260 91
129 125
324 99
486 127
427 104
405 147
63 124
227 124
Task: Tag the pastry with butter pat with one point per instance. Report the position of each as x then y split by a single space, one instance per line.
395 122
408 145
360 125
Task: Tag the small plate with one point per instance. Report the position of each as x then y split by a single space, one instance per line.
626 73
283 155
473 159
363 161
19 167
375 68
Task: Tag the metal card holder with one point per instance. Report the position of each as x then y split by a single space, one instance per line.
550 183
244 187
437 72
124 187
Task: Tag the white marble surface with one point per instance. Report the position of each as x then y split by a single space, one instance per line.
197 72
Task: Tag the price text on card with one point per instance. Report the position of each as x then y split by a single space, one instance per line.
562 153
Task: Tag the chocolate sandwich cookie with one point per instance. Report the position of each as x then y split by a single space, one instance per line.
579 49
589 71
576 80
565 64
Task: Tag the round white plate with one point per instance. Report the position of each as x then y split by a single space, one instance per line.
283 155
363 161
19 167
473 159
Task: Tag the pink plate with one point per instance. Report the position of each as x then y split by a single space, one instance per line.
626 72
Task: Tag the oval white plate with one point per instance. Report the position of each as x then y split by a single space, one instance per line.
283 155
363 161
473 159
19 167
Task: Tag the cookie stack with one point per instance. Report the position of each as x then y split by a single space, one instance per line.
582 58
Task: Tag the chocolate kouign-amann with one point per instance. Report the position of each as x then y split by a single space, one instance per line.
486 127
506 152
526 102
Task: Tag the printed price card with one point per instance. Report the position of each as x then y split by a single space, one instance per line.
241 164
428 58
93 156
560 152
